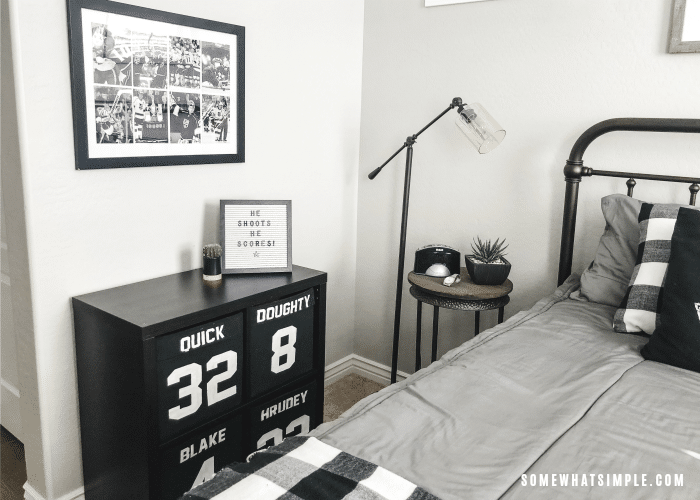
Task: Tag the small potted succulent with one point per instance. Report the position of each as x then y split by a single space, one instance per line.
486 265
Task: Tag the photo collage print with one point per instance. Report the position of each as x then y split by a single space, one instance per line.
157 88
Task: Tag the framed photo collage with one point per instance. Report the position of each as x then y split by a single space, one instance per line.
153 88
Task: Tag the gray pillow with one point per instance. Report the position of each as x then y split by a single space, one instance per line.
607 278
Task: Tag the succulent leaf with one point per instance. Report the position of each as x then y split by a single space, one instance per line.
488 252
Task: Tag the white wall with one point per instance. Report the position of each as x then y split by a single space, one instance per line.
9 377
90 230
546 70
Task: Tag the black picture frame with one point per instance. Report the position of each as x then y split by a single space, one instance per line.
256 236
152 88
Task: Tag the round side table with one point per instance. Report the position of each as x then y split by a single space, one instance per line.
463 296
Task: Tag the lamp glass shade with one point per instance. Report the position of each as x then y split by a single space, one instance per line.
481 129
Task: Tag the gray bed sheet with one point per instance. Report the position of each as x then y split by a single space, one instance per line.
553 390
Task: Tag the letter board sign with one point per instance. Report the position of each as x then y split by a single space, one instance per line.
279 418
196 459
280 341
256 236
199 374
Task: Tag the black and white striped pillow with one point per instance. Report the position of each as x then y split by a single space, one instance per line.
641 306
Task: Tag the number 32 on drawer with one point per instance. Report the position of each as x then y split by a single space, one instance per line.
281 341
199 374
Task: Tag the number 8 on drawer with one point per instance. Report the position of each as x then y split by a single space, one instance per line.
280 341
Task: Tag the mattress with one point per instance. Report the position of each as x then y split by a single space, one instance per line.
553 395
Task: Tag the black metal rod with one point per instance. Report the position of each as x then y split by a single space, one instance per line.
374 172
476 323
691 125
456 102
418 333
436 323
415 136
568 229
402 254
651 177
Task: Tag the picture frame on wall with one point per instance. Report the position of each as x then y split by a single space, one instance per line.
256 236
685 27
152 88
435 3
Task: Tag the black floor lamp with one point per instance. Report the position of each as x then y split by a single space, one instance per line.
484 134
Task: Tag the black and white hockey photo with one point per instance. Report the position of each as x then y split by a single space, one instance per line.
184 118
113 112
216 65
185 63
112 62
150 60
215 118
150 115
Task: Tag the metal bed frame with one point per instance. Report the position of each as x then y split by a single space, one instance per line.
574 171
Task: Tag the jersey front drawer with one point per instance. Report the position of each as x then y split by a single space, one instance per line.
193 460
281 417
280 341
199 375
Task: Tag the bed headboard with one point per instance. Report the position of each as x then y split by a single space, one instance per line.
574 171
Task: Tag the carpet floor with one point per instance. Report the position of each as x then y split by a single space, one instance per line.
339 397
13 472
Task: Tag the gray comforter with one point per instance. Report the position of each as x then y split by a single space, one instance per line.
552 395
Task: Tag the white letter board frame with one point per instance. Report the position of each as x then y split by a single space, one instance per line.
260 243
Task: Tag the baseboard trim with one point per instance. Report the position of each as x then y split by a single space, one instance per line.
31 494
360 366
9 411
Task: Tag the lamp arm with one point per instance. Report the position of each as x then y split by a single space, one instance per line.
374 172
456 103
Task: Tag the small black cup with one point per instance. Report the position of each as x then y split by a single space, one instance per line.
212 268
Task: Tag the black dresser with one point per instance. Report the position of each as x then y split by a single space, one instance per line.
176 379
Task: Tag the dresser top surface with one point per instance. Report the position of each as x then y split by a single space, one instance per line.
183 297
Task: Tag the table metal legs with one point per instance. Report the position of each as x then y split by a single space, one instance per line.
418 333
436 317
436 320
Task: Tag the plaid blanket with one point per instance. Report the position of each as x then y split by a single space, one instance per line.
304 468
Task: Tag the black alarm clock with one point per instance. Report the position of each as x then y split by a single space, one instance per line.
437 260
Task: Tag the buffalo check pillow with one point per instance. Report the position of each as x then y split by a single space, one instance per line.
640 309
